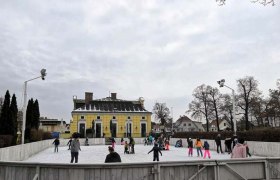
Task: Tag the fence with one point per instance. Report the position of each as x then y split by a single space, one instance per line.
257 169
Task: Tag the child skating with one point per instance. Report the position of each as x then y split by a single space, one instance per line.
206 150
156 150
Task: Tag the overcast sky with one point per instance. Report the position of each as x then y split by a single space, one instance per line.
157 49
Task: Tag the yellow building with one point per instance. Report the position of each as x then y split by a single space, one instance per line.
110 116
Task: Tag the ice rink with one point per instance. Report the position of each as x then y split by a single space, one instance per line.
97 154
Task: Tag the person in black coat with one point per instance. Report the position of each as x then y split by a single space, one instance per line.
156 150
113 156
218 143
56 143
69 143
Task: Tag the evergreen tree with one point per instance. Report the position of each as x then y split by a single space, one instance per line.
13 120
29 118
5 113
36 115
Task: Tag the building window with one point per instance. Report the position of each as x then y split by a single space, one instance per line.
82 117
190 124
98 117
114 117
143 117
128 117
185 124
225 124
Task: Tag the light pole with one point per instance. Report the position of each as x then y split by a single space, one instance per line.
222 84
171 120
43 74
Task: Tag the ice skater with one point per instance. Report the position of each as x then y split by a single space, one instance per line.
126 148
206 150
198 145
190 146
56 144
218 143
75 147
156 150
69 143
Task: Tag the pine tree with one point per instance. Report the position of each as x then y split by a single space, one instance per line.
29 118
36 115
13 120
5 113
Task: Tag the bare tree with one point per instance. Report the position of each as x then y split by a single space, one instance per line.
263 2
201 104
248 89
215 102
161 112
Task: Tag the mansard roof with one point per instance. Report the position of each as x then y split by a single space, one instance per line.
109 105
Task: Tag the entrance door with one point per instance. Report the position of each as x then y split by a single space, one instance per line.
114 130
143 130
98 130
128 129
82 130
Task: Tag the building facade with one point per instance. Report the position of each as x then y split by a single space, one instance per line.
110 117
223 125
185 124
52 125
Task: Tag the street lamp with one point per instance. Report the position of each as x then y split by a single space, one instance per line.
43 74
172 121
222 84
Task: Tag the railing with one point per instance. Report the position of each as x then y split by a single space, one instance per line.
190 170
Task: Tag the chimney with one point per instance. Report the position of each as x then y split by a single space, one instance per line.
113 96
88 97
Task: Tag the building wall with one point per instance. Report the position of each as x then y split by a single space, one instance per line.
121 119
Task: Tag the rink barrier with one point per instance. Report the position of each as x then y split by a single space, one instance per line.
257 169
22 152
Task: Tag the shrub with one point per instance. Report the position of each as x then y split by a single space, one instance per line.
267 135
46 135
5 140
36 135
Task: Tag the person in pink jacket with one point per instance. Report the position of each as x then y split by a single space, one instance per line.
239 150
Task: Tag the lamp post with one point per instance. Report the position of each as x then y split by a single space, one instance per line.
222 84
43 74
171 120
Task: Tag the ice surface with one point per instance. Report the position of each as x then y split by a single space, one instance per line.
97 154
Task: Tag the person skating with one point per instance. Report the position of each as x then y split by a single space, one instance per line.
131 144
56 144
206 150
247 150
69 143
239 150
190 146
113 156
75 147
156 150
86 142
167 145
126 148
113 141
198 145
122 141
218 143
228 142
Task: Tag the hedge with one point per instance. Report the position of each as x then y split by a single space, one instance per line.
267 135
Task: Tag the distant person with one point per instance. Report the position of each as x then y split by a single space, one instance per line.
206 147
113 142
190 146
126 148
234 141
56 144
113 156
167 144
69 143
228 142
122 141
86 142
131 144
247 150
198 145
219 143
156 150
239 150
75 147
